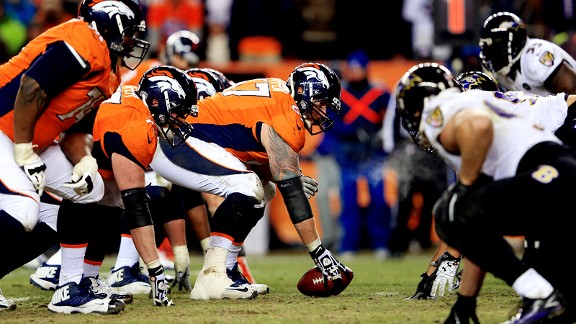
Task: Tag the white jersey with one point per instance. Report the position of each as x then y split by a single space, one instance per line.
538 60
514 134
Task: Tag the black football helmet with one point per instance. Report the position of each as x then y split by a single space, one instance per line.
310 83
171 96
121 24
502 38
414 90
476 80
184 43
205 82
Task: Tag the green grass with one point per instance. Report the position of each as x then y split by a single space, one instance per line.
376 295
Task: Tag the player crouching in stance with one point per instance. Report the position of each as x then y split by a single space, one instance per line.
481 139
244 142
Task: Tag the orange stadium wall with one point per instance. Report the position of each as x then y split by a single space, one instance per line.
384 72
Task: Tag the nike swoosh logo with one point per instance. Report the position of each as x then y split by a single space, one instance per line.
298 126
238 289
149 140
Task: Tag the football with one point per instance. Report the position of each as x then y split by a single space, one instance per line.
312 283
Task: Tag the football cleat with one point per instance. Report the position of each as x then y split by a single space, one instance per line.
239 279
130 280
214 284
101 288
75 298
539 310
5 303
46 276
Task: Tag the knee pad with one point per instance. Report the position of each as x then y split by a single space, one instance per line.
233 216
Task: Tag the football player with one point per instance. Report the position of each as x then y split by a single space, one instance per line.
481 135
245 141
125 138
522 63
57 79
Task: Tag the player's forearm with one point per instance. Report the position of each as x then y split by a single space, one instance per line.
31 101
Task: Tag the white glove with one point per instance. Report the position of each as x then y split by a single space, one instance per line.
445 275
83 175
310 186
31 164
182 268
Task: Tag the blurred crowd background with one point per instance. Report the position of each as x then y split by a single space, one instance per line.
364 161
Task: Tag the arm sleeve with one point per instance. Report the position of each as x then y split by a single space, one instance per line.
58 68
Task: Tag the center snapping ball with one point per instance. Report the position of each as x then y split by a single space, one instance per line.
312 283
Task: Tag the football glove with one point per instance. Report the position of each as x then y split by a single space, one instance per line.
331 268
182 268
83 175
444 207
463 311
31 164
445 274
160 291
424 287
310 186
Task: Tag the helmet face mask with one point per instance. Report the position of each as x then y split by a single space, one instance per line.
502 39
171 97
121 25
418 85
316 91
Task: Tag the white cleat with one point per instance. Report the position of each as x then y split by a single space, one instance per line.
213 284
6 304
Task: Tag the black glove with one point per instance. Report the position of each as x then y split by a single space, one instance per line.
463 311
444 207
331 268
424 287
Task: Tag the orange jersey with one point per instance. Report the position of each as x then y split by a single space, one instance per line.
233 118
125 118
132 77
77 99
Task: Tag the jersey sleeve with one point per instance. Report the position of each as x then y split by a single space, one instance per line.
58 68
539 64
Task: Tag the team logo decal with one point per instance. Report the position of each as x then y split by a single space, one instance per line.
435 118
547 58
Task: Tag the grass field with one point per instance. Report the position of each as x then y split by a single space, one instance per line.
376 295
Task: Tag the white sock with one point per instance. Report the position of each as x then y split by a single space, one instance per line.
91 269
220 241
532 285
72 264
127 253
56 258
232 255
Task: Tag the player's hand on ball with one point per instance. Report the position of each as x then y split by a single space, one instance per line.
332 269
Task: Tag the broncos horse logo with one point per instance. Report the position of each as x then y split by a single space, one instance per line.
114 8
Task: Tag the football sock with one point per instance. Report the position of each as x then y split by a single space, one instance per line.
232 255
127 253
91 268
532 285
72 263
